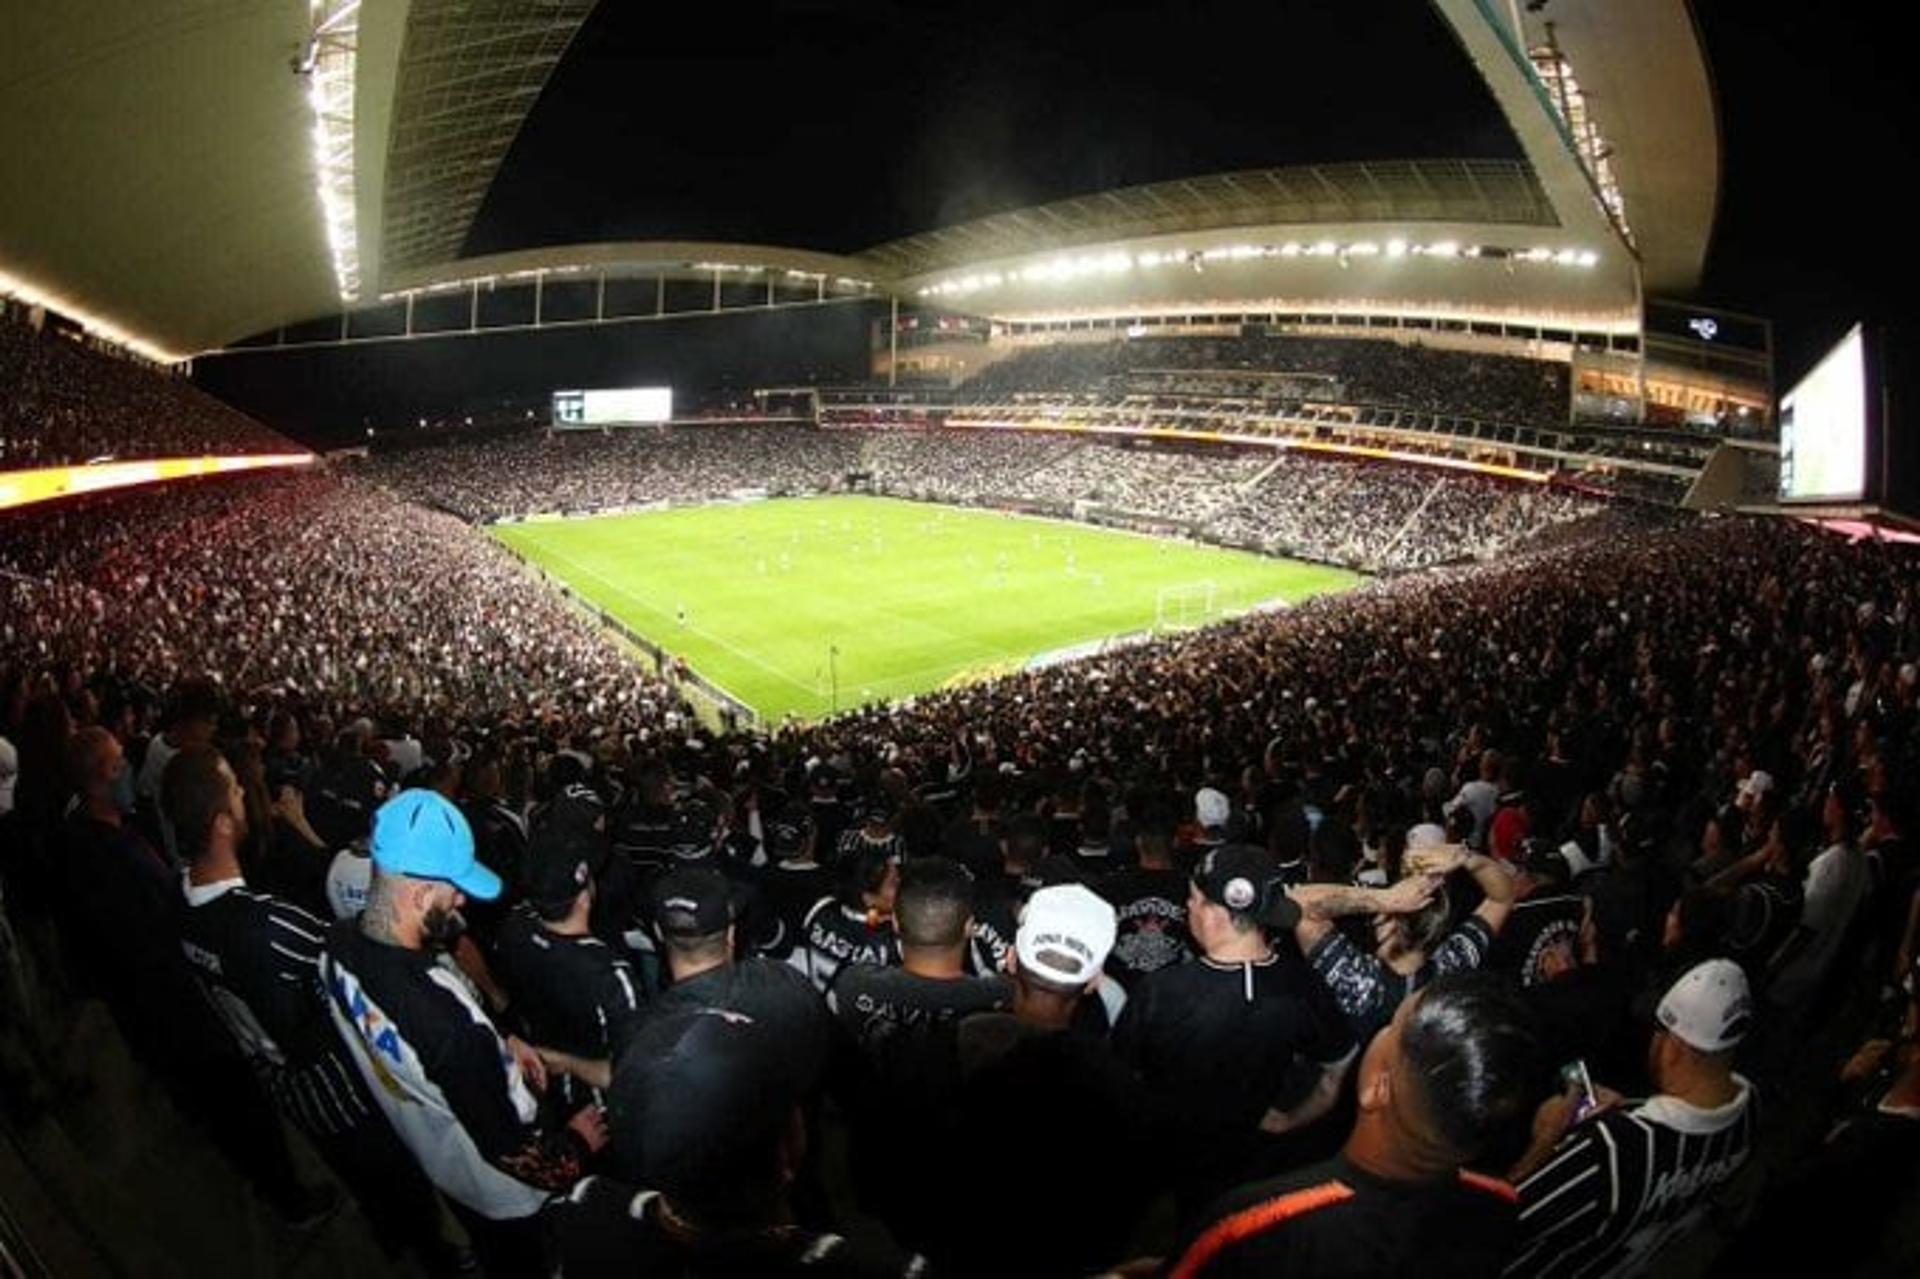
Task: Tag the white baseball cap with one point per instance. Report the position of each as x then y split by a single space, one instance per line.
1426 835
1211 807
1758 783
1065 934
1710 1007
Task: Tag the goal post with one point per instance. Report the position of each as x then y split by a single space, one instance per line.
1186 607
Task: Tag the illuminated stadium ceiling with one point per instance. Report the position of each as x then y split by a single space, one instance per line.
183 173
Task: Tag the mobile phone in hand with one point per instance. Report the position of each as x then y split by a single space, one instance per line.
1574 1075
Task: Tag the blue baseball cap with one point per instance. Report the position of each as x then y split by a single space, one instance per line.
419 834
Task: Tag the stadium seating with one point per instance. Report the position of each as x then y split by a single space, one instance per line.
1284 370
62 402
1373 516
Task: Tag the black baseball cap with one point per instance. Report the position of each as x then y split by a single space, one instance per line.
692 901
700 1097
1246 880
787 832
560 862
577 806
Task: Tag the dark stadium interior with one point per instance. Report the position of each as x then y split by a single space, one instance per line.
1535 895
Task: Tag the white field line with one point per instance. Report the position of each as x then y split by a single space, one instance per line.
986 658
577 567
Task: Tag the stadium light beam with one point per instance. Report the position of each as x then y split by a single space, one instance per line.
329 68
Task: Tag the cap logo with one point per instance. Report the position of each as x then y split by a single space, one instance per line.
1238 894
687 904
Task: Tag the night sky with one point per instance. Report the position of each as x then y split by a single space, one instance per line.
837 126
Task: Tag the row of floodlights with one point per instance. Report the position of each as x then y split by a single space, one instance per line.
749 269
328 63
1119 261
530 273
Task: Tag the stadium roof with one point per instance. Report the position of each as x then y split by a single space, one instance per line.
471 72
158 157
1476 191
181 173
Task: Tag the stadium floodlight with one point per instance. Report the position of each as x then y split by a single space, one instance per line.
1444 249
1471 251
1536 255
1396 248
1324 249
1566 257
1589 258
329 69
1364 249
1291 249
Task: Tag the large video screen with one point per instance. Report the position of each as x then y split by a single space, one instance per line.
1823 428
622 406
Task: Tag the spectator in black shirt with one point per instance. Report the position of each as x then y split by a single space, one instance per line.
710 1118
578 997
854 925
499 838
1242 1040
874 837
1540 940
1765 899
1031 1081
1445 1085
933 917
646 823
259 960
975 839
1150 901
1413 942
694 912
1289 838
793 879
830 815
118 909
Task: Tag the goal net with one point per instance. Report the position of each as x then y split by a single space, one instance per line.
1186 607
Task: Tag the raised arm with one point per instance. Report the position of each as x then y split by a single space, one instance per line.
1320 904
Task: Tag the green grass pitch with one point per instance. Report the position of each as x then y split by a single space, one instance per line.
913 596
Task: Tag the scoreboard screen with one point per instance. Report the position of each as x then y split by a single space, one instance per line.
1824 425
621 406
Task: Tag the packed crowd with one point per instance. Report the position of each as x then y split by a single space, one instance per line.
68 403
1370 516
944 466
1190 487
1259 950
308 585
594 470
1344 370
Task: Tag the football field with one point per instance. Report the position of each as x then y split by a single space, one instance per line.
805 606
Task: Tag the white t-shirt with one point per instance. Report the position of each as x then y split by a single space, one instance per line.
1837 882
153 767
348 877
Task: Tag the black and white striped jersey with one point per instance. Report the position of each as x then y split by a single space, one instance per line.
1619 1186
258 958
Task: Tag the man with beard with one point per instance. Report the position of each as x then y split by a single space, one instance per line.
458 1093
258 960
